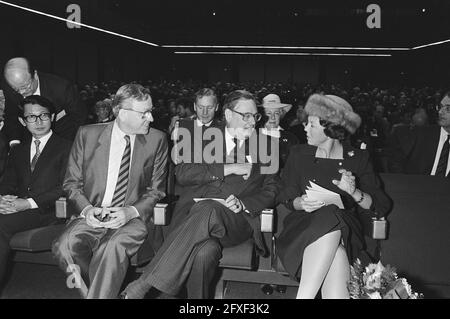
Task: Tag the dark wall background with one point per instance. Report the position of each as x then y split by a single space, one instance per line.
86 55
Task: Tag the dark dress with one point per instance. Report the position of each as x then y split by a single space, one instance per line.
302 228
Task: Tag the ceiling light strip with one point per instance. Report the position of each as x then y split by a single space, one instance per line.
281 53
430 44
280 47
78 23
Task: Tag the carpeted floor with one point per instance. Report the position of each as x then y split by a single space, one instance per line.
33 281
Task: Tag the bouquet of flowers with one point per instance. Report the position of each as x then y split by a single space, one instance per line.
378 282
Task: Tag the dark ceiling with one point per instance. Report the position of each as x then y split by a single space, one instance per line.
275 23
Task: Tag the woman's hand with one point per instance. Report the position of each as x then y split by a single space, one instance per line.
347 182
302 203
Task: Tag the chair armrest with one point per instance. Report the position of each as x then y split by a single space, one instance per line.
379 228
160 214
267 221
61 208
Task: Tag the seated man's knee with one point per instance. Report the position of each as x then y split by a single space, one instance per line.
210 252
66 244
133 235
205 208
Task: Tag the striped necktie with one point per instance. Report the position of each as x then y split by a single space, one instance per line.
122 180
36 155
443 159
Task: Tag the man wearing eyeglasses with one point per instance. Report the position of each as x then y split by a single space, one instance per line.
240 191
34 175
423 150
116 173
22 80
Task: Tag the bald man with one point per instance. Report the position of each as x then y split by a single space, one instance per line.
22 80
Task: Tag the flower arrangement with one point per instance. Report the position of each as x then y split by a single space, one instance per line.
378 282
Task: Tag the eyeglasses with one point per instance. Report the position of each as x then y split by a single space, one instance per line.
144 115
209 107
445 108
33 118
247 116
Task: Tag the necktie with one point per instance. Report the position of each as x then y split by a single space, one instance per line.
443 159
240 151
36 155
122 180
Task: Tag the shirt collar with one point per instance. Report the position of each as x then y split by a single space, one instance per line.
229 141
118 134
38 89
200 123
444 134
43 140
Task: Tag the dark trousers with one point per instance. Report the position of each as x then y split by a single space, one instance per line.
11 224
204 267
174 261
101 255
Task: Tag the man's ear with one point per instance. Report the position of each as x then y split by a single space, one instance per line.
2 123
52 117
217 107
228 115
22 121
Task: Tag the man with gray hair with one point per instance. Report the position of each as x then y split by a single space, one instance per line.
116 173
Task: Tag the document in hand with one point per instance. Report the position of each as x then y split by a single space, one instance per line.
316 192
220 200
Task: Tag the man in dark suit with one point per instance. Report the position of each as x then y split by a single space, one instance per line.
34 175
245 188
205 106
422 150
116 173
22 80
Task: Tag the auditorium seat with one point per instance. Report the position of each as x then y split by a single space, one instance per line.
419 236
416 245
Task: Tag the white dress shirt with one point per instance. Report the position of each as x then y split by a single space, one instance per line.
442 140
229 143
44 139
116 150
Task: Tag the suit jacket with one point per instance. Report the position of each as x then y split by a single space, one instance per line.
44 184
259 191
61 92
87 169
413 150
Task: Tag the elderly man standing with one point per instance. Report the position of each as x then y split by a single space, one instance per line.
116 173
245 187
275 110
22 80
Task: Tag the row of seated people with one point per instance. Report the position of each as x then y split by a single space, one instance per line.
132 187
